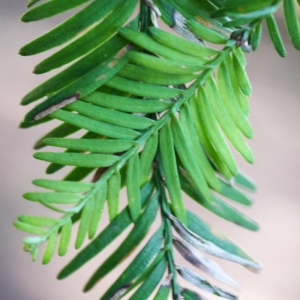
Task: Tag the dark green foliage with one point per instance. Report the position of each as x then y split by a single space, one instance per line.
155 113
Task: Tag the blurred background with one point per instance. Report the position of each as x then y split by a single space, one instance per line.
275 109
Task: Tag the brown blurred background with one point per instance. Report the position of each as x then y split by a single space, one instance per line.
275 118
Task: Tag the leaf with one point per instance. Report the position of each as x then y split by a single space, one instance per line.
207 6
226 122
193 8
148 286
275 35
210 151
210 35
133 187
213 235
178 23
164 290
166 11
137 266
52 168
99 127
85 221
76 70
127 104
98 205
168 161
112 231
50 248
91 145
68 29
49 9
151 76
90 40
245 182
142 89
248 10
119 293
29 124
245 6
292 23
31 2
37 220
147 157
186 155
59 198
111 116
240 54
213 132
79 160
113 194
200 282
32 240
203 263
144 41
159 257
241 75
191 295
78 173
29 228
257 36
162 65
59 132
64 186
242 99
131 241
218 207
180 44
65 237
234 194
79 88
207 246
241 20
201 159
230 101
248 17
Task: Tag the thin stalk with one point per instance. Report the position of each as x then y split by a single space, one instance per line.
165 210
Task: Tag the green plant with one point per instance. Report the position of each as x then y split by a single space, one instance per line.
154 109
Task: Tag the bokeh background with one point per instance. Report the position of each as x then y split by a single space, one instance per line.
275 117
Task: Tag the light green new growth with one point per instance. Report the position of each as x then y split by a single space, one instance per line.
159 111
